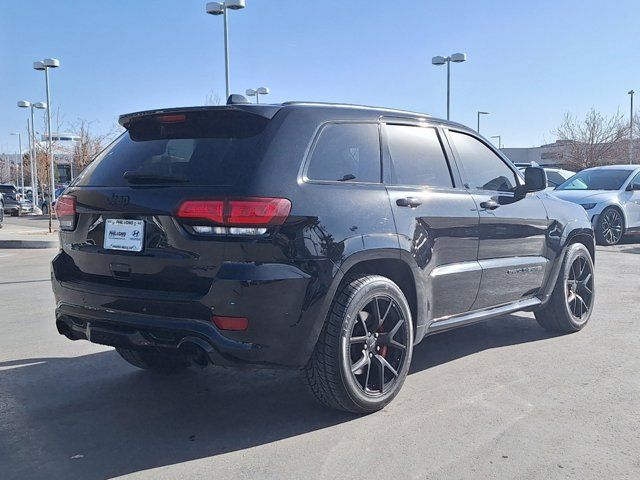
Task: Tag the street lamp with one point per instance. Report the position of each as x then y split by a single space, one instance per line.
220 8
257 92
480 113
499 141
631 92
456 58
45 65
20 159
32 154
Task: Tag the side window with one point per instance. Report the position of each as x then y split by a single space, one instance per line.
346 152
483 169
635 183
554 179
417 157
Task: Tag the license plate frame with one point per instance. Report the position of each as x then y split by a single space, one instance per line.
123 235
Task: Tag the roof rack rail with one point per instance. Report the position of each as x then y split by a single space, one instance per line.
354 105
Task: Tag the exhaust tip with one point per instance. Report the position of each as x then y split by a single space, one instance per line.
64 329
196 351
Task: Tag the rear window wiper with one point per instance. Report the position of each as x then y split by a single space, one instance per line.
142 177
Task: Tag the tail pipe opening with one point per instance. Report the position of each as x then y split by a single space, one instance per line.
196 350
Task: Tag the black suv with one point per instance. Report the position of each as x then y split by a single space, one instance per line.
331 238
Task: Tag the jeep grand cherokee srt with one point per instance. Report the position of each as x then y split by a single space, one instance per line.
331 238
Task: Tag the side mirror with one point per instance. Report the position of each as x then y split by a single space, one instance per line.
535 179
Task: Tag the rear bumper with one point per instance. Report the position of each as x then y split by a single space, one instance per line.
11 208
120 329
278 299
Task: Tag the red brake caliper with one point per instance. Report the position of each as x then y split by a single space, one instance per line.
383 348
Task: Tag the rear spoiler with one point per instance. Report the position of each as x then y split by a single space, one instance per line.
266 111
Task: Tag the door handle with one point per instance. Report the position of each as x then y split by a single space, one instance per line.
412 202
489 204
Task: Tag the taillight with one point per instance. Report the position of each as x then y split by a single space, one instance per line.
177 118
235 215
66 212
231 323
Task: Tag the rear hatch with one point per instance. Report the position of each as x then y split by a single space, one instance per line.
141 219
10 195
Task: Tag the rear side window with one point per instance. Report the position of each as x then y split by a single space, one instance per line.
417 157
346 152
195 148
484 170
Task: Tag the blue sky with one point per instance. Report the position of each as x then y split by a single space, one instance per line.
528 61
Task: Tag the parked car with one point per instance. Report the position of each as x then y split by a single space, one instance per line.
611 197
555 176
332 238
44 203
13 203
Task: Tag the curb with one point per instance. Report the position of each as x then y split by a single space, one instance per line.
29 243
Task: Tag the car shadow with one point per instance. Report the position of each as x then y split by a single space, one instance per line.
95 417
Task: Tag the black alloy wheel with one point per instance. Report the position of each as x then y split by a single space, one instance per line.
377 345
363 353
579 288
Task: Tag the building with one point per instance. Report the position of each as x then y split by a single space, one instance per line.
63 147
562 153
549 155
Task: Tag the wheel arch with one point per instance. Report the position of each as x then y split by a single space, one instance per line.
587 239
584 236
388 263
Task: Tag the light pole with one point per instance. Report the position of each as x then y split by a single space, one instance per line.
32 154
499 141
20 159
257 92
631 92
220 8
456 58
480 113
45 65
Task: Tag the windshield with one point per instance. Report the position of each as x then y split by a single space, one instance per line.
604 179
195 148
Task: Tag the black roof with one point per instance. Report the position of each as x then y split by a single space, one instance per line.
269 110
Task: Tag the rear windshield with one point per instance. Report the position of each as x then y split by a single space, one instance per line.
194 148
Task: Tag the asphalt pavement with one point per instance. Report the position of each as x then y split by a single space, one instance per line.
502 399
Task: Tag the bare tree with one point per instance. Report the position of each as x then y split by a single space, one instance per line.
213 98
90 143
42 148
595 140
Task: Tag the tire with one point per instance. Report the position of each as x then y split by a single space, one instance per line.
572 300
153 360
363 353
610 227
